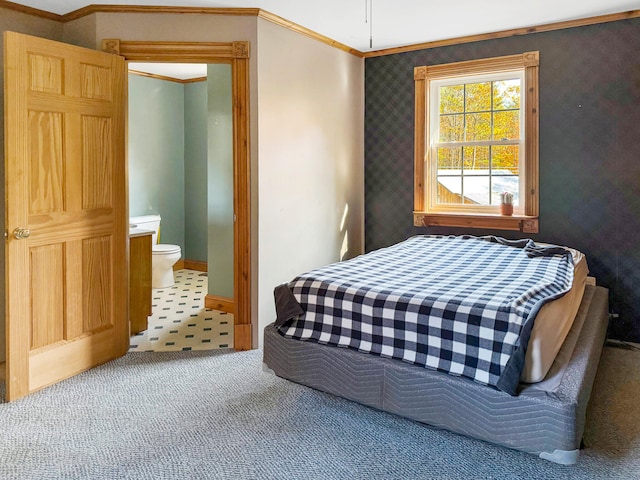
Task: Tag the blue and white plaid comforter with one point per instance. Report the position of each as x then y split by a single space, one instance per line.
462 305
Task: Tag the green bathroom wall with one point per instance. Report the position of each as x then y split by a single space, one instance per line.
195 171
220 180
181 166
156 154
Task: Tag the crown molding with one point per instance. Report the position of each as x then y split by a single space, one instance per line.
613 17
90 9
270 17
30 10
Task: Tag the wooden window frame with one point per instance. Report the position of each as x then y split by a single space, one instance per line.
425 213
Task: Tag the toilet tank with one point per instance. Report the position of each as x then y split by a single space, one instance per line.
147 222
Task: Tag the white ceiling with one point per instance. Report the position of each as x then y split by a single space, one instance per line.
183 71
393 22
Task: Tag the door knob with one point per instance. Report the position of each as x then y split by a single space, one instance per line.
21 233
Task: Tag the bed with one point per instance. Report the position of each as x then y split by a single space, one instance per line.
493 387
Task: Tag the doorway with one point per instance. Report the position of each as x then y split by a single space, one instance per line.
235 54
180 164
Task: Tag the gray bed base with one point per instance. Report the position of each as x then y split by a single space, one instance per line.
546 419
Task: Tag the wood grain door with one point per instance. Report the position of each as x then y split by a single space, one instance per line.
66 211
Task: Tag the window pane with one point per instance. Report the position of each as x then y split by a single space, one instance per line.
504 165
476 158
449 188
476 188
449 159
506 125
477 175
506 94
478 97
478 126
449 176
451 128
504 159
452 99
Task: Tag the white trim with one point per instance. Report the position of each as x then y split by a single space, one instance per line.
433 105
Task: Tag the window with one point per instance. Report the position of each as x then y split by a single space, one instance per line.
476 138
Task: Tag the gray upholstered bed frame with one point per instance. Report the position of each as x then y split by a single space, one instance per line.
546 419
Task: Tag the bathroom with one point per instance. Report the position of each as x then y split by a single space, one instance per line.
180 167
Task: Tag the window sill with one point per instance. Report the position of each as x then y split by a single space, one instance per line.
522 223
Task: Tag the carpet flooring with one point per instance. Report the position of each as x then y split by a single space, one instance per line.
217 415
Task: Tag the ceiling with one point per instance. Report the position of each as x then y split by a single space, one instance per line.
181 71
391 23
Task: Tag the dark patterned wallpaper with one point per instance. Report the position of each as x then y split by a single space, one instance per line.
589 150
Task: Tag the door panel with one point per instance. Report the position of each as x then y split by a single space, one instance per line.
67 282
46 192
96 281
45 73
97 159
47 280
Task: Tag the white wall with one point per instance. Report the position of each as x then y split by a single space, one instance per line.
311 158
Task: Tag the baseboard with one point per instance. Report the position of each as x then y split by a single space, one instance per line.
191 265
179 265
196 265
222 304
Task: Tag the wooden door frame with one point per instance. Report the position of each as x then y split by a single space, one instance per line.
237 55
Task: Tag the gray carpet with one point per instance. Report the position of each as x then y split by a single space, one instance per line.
215 414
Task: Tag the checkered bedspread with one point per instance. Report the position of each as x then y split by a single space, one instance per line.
462 305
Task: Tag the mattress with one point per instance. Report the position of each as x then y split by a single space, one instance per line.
545 419
552 324
459 304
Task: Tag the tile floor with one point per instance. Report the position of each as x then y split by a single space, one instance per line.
181 322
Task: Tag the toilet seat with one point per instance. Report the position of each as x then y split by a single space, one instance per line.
164 249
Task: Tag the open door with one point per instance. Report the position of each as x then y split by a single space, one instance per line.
66 211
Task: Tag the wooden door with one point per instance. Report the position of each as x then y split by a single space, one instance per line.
66 196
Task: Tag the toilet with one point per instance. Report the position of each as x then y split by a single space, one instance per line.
164 256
